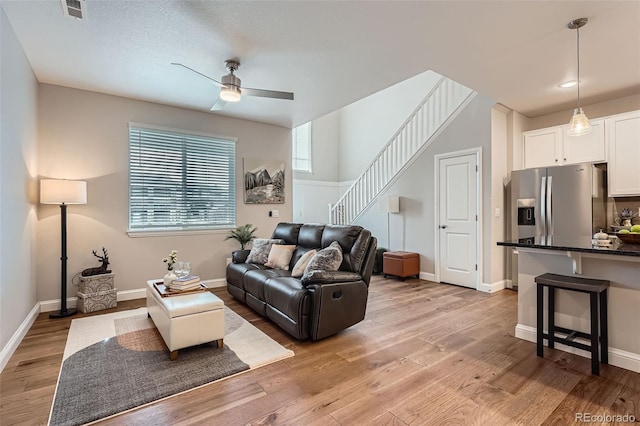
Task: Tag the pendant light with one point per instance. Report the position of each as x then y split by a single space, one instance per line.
579 124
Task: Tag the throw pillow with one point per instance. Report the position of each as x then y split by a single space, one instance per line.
259 253
280 256
301 264
327 259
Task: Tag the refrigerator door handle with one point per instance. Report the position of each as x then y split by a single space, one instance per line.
549 210
543 209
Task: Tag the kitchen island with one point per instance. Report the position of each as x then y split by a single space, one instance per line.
620 264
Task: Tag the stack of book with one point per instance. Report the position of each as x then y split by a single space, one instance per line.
189 282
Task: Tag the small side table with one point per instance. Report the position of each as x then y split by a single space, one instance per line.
401 264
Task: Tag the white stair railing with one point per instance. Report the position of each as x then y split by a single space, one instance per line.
439 107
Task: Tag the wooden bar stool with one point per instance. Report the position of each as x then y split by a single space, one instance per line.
597 290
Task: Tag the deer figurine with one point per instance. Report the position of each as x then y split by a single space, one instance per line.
102 269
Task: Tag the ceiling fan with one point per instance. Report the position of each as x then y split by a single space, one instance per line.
232 91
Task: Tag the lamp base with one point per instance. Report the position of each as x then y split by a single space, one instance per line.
64 313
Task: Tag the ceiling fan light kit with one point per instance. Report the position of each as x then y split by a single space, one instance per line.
231 89
579 124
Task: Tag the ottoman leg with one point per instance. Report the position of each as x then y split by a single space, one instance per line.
220 343
173 355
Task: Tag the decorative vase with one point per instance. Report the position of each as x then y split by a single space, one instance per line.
626 222
168 278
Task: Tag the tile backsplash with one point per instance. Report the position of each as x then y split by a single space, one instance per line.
615 205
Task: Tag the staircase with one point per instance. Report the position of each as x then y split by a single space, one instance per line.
439 107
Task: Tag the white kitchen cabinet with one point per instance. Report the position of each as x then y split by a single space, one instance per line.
541 148
589 148
623 138
553 147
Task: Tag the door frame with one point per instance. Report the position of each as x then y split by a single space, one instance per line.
436 204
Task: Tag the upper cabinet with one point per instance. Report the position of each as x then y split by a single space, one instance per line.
623 138
553 147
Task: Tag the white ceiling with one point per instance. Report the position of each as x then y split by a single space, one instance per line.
332 53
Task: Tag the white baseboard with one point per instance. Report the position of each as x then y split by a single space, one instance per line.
54 305
72 302
17 337
428 276
493 287
508 283
617 357
139 293
215 283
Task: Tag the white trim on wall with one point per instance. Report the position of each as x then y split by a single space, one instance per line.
17 337
617 357
492 287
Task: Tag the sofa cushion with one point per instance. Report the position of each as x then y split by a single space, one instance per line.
287 232
254 280
310 236
346 236
280 256
260 251
327 259
301 264
236 271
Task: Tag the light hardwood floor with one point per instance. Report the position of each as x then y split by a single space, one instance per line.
425 354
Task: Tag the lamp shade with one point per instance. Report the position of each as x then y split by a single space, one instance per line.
390 204
579 124
60 191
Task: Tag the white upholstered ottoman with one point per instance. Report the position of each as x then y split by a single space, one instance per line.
186 320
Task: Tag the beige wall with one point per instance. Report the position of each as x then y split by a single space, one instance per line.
414 228
84 135
499 210
18 98
601 109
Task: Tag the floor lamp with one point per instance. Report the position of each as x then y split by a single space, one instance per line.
63 192
391 205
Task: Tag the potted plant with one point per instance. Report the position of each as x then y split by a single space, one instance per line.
242 234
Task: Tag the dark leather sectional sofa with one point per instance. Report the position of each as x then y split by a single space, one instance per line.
321 303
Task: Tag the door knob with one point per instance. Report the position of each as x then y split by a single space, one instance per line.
442 226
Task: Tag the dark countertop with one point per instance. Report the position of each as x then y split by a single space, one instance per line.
578 244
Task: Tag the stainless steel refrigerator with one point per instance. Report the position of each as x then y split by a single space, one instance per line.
557 204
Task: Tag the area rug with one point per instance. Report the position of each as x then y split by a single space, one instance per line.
116 362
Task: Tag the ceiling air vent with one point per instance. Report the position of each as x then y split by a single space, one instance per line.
74 8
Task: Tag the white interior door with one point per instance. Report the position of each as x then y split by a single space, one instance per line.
457 225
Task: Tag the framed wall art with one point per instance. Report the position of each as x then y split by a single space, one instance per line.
263 181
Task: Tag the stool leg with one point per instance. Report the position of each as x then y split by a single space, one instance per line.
604 333
552 317
173 355
595 330
539 322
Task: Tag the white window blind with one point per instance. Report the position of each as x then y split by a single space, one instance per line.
301 150
180 181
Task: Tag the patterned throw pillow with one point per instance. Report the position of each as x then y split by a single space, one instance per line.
327 259
301 264
280 256
260 251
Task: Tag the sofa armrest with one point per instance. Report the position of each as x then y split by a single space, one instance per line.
240 256
329 277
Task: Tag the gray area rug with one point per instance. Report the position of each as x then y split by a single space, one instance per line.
101 376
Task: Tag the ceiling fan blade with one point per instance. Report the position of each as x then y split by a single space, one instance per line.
267 93
198 72
218 104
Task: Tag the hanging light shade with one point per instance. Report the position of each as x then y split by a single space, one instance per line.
579 124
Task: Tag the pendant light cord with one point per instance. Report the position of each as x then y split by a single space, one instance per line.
578 55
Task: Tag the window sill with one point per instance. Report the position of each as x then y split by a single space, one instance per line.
175 232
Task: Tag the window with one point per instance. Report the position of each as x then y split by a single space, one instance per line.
301 149
180 181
